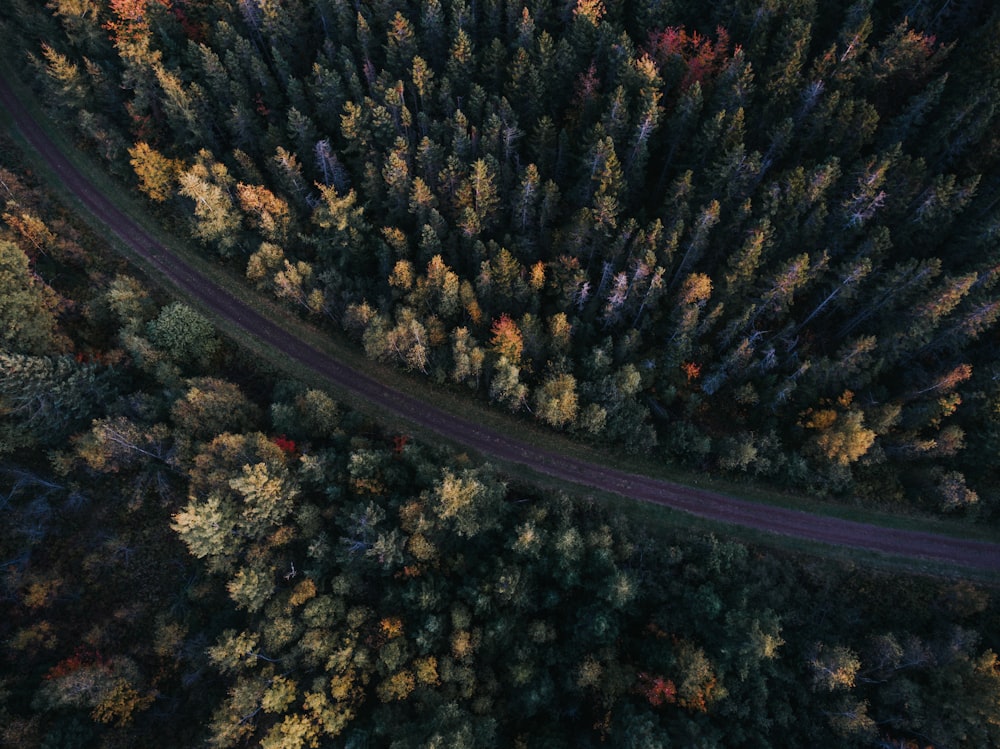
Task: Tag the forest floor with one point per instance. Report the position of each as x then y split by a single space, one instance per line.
930 550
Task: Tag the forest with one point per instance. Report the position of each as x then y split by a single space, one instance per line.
756 237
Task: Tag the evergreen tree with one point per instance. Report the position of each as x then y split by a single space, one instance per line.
50 397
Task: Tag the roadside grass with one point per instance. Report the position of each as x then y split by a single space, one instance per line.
459 401
665 526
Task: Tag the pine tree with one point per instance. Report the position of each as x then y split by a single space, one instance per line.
525 206
477 198
433 32
344 228
422 77
784 79
523 86
461 62
696 244
401 43
397 176
50 397
188 113
607 183
68 80
78 22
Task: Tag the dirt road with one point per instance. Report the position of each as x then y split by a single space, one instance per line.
914 545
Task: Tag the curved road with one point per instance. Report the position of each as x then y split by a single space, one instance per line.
930 547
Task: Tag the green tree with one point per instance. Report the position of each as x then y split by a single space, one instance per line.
251 586
409 341
49 397
401 42
118 442
397 177
443 288
264 265
312 414
184 335
968 686
344 229
27 306
293 283
210 407
607 182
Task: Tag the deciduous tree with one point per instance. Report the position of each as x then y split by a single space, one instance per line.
156 173
556 400
27 306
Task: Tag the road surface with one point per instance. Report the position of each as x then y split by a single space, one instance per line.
914 545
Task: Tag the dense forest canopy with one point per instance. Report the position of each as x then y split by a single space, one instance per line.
198 551
751 237
758 237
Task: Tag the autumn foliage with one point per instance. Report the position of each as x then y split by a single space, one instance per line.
657 690
701 57
83 657
507 340
286 445
692 370
767 250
